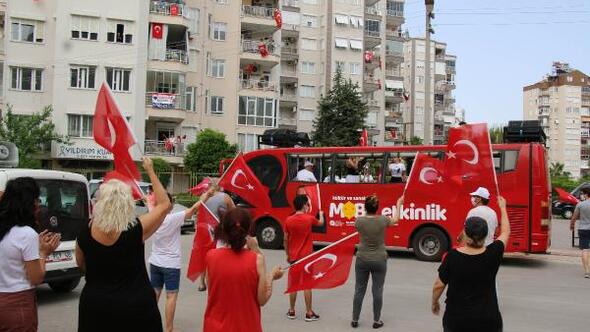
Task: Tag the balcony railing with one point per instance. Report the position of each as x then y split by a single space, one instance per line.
166 8
396 93
165 100
290 27
160 148
393 34
396 13
177 55
258 11
373 11
372 33
289 71
251 46
393 72
260 85
289 50
370 79
289 96
290 3
287 122
394 53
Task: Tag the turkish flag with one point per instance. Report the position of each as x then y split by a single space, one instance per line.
119 140
368 56
364 140
313 194
203 242
469 162
262 49
278 18
326 268
240 180
566 197
157 30
174 9
426 180
200 188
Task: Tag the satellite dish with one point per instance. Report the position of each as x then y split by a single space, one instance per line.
8 155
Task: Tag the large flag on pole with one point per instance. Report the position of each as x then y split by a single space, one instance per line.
326 268
112 132
204 241
240 180
427 180
364 139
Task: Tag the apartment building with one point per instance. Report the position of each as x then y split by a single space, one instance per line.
561 102
442 76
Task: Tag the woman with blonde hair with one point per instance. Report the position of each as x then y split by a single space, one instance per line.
117 295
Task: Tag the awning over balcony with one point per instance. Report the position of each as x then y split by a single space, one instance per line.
341 42
341 19
356 44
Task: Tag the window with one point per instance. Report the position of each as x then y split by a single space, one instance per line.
165 82
119 32
419 79
307 67
340 65
191 93
82 77
119 79
341 19
27 31
309 21
309 44
222 2
26 79
372 26
505 161
341 42
306 114
216 105
79 125
217 68
247 142
84 27
307 91
355 68
219 30
257 111
356 44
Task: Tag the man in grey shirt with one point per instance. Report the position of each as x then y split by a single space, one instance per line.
582 213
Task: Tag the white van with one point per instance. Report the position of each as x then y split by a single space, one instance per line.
65 209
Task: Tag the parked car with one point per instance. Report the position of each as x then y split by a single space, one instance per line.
564 203
141 208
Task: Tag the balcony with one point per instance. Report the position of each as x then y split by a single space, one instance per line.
394 74
289 53
369 3
372 38
372 103
166 8
160 148
287 122
258 85
370 83
289 74
394 35
258 16
395 95
290 30
165 106
373 13
290 5
251 51
288 98
394 56
177 56
394 17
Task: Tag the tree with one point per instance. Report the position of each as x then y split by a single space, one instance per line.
210 148
341 114
162 169
496 134
556 169
31 134
415 140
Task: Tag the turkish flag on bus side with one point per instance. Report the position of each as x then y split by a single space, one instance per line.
326 268
469 162
203 241
240 180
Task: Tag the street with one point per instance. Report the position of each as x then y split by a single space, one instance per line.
536 292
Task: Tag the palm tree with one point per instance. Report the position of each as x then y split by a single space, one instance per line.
496 134
415 140
557 170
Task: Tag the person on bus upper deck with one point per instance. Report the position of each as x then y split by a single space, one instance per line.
480 200
306 174
353 165
397 170
582 212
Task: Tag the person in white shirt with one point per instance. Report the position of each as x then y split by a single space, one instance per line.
306 174
23 253
480 200
166 257
397 170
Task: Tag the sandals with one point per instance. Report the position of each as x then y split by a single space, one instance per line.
378 325
202 288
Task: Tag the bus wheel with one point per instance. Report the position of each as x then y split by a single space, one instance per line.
429 244
269 234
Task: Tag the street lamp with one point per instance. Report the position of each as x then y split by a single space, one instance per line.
428 113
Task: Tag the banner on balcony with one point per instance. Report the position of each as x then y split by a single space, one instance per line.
163 100
278 18
157 30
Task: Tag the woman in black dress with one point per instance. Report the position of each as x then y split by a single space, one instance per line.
117 295
470 272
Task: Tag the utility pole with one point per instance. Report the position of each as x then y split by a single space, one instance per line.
428 111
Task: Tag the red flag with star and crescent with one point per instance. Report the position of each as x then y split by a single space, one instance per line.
426 181
313 194
203 241
157 30
240 180
326 268
469 162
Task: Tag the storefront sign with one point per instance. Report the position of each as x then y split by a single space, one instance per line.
80 150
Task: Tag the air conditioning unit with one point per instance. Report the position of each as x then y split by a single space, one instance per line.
294 109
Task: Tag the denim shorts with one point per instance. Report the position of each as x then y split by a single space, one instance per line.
584 235
160 276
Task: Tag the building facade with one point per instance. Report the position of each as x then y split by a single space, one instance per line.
561 102
442 77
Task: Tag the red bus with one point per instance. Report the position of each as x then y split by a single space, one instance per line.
523 178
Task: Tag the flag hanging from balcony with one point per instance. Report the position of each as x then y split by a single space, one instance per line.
406 96
368 56
157 30
174 9
262 49
278 18
364 139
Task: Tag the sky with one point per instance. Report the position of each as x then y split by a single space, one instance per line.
503 45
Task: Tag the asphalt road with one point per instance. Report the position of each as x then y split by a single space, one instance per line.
537 293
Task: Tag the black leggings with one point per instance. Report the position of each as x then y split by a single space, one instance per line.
377 270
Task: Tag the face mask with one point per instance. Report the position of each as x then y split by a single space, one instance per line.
583 197
473 201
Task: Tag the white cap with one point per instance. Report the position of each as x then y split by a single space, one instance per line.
481 192
307 164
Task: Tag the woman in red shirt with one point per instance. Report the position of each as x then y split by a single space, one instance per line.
237 278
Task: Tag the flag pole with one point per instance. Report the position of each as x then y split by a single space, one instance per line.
323 249
410 175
